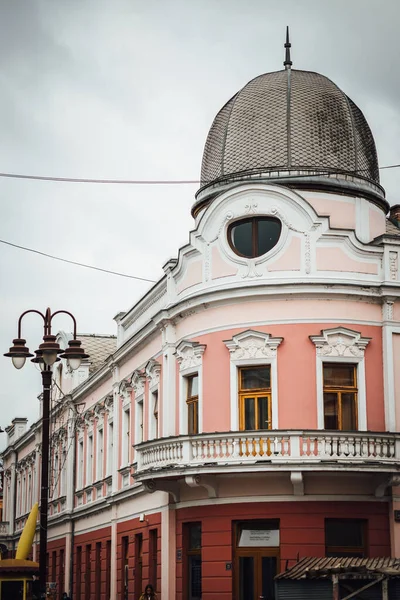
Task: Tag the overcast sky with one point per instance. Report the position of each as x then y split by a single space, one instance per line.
127 89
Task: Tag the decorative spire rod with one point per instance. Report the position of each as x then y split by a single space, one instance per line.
288 63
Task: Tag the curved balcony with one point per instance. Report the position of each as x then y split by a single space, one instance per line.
254 451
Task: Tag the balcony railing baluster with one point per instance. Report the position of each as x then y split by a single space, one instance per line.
289 446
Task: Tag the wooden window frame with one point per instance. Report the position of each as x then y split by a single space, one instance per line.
153 557
348 551
155 397
88 570
138 581
108 568
189 552
255 393
254 234
192 399
342 389
78 583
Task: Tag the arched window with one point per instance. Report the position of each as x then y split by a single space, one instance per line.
254 236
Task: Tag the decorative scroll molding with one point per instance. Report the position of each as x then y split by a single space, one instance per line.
170 487
340 341
296 479
99 410
89 417
387 309
393 481
137 382
189 354
393 261
209 483
207 262
124 390
109 403
252 344
153 372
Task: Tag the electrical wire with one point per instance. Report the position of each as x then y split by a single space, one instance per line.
78 264
147 181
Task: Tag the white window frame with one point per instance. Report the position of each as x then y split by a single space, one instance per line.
190 359
110 446
99 452
389 379
89 457
126 436
80 461
138 385
153 371
63 472
247 349
341 345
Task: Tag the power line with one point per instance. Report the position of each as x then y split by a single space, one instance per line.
144 181
106 181
78 264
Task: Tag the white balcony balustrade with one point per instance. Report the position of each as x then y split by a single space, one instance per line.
334 449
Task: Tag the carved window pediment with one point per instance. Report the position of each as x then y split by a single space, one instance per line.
189 354
124 390
252 344
340 341
137 382
153 371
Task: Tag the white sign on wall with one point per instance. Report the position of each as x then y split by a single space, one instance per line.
259 538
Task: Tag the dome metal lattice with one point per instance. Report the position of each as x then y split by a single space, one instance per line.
291 125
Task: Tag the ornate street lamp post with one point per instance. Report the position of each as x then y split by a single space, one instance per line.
47 354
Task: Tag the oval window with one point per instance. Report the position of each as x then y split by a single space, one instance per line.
255 236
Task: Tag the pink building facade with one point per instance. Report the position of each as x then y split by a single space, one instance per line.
249 412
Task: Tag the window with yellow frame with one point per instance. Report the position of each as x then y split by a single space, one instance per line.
192 401
255 398
340 396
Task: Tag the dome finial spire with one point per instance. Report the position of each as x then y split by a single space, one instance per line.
287 63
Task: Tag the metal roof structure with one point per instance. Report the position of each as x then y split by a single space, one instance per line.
292 127
326 567
99 347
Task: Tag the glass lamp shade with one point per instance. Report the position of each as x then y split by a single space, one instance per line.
18 361
74 354
49 357
18 353
74 363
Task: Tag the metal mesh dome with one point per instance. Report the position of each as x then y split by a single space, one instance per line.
291 125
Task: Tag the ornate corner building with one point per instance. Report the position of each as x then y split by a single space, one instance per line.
247 414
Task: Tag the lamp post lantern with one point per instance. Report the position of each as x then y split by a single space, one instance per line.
47 354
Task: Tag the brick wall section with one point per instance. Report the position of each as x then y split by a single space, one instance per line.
130 529
302 533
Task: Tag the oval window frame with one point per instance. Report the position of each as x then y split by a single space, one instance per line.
252 219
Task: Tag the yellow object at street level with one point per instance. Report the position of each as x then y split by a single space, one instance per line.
17 574
25 541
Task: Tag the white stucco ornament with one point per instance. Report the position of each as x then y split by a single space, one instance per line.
252 344
189 354
340 341
153 371
137 383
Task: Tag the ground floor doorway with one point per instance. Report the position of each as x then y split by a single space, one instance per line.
256 560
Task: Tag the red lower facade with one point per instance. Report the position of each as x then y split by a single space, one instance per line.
138 546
